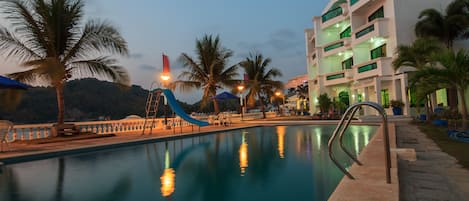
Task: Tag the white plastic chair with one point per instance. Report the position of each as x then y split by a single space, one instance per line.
5 127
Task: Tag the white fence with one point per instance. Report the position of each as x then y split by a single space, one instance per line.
118 127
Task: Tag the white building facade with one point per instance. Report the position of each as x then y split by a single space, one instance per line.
351 47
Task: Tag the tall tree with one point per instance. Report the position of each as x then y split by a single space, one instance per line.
447 26
452 70
418 55
50 40
209 71
260 85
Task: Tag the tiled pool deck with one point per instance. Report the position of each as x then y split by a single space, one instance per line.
434 176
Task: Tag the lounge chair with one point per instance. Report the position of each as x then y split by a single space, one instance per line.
213 120
5 127
462 136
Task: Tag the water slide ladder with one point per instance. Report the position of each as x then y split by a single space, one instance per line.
151 109
343 125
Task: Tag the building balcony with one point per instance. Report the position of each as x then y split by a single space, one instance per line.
376 67
336 47
334 16
339 77
376 28
356 5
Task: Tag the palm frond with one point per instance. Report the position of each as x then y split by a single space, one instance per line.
10 46
102 66
97 36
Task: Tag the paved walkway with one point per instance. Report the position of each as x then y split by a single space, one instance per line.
434 176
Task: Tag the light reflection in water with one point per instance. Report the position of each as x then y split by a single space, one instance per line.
318 133
169 176
243 154
356 140
281 141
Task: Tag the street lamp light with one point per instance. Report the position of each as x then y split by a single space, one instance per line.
278 94
240 89
165 77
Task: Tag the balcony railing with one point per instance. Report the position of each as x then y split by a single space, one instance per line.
334 46
336 76
367 67
365 31
118 127
331 14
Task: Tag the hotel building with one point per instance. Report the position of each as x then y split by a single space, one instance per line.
351 47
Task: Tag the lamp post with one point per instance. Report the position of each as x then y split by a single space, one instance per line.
165 77
241 88
278 94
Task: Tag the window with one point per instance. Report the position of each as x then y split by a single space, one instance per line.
347 64
378 52
377 14
385 98
346 33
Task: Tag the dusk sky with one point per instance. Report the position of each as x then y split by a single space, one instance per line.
273 27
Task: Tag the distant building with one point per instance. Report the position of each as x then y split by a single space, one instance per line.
351 48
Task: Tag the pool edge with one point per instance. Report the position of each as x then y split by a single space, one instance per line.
370 183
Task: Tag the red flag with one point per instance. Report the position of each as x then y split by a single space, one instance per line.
165 64
246 77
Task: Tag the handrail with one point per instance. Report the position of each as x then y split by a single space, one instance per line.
349 113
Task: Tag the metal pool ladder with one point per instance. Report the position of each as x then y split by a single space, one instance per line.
343 125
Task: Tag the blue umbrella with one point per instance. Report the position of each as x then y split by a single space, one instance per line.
7 83
226 95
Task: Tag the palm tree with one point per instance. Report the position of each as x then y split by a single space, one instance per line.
260 83
446 27
209 71
418 55
453 70
303 92
52 43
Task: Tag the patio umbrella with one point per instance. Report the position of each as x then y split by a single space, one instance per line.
7 83
226 95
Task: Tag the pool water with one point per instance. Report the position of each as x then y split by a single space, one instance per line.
261 163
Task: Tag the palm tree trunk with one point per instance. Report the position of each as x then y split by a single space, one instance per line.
60 103
461 92
262 106
427 108
215 106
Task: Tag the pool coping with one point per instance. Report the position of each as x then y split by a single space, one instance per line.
370 183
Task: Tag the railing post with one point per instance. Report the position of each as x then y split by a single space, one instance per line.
352 109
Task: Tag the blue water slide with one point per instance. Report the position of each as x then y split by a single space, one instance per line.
179 111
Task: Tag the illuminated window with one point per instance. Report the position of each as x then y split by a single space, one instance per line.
378 52
385 98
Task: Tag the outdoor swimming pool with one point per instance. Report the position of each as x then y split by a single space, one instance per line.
261 163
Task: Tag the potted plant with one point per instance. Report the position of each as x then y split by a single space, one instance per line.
397 107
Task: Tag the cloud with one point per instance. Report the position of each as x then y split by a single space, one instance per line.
136 56
147 67
284 39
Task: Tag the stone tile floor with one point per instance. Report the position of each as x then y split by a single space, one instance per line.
434 176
